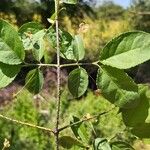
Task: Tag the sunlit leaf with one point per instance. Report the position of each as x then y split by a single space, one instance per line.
75 49
26 31
52 18
38 44
117 87
101 144
8 74
127 50
78 47
70 48
30 27
11 47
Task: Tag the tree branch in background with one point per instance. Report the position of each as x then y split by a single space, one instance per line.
26 123
86 119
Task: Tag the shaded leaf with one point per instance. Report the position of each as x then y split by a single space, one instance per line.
34 81
117 87
68 142
48 56
101 144
119 145
65 41
127 50
78 82
139 117
142 130
11 47
79 130
8 74
141 113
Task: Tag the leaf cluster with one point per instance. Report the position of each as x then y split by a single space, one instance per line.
125 51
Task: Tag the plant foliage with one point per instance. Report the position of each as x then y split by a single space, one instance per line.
123 52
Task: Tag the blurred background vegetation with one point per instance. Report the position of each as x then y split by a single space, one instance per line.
97 24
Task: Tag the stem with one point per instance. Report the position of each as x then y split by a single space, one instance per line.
79 64
85 119
61 66
58 76
25 123
37 65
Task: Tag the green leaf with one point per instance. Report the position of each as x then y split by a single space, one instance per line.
11 47
141 113
30 27
139 117
79 130
119 145
78 82
70 1
32 35
142 130
117 87
48 56
38 44
65 39
68 54
8 74
68 142
101 144
75 49
52 18
51 37
127 50
78 47
70 48
26 32
34 81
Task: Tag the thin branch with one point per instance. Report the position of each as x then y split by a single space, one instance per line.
79 64
58 75
61 66
38 65
26 123
85 119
